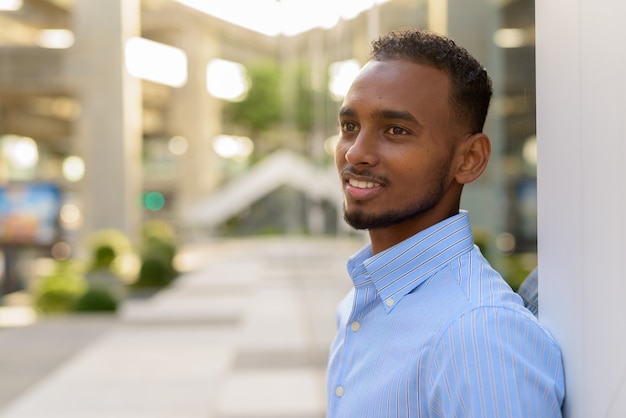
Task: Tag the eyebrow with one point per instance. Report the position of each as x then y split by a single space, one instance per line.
382 114
346 111
394 114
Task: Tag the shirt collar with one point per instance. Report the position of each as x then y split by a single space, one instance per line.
398 270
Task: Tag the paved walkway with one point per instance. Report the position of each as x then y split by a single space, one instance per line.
243 335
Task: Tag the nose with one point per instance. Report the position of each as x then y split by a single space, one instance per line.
363 150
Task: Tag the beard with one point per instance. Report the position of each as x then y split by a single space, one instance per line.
359 219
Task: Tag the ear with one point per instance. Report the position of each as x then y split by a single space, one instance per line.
474 152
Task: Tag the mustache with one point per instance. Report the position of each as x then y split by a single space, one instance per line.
364 173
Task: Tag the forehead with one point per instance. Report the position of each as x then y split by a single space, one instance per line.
400 84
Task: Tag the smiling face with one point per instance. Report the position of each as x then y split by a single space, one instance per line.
397 153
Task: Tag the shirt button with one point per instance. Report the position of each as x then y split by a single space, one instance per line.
389 302
355 326
339 391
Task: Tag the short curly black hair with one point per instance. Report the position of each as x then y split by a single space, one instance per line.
470 85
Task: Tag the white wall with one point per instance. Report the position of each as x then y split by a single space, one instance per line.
581 131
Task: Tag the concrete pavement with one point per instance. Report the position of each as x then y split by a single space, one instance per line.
244 334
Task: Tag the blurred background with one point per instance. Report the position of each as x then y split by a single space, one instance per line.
132 130
166 166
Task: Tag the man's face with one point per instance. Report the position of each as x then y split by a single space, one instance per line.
396 147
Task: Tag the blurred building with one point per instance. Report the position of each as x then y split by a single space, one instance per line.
127 103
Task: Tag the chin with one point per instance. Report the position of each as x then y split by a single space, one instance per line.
362 221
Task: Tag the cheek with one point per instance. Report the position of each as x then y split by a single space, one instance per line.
408 161
418 172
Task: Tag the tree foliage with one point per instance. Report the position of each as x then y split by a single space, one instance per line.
264 105
261 108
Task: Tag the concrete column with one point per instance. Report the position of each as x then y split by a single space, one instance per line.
581 134
108 133
196 115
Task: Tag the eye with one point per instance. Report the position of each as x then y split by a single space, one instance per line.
348 127
397 130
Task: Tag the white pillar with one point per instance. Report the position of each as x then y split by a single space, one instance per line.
108 133
581 133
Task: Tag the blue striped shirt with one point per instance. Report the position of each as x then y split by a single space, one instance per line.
431 330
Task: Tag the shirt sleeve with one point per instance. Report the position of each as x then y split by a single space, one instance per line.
529 292
495 362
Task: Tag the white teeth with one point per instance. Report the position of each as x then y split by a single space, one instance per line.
362 184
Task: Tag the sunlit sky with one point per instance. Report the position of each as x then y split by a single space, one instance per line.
282 17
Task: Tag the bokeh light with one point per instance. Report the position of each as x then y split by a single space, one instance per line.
73 168
226 80
154 201
55 38
341 74
233 147
513 37
70 216
21 151
61 250
505 242
157 62
529 151
178 145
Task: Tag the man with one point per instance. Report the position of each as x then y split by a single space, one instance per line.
429 329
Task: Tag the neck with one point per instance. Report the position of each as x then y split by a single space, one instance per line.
384 238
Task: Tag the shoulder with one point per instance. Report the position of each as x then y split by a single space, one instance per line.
480 284
498 356
510 326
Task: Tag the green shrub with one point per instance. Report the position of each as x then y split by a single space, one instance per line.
103 257
163 250
158 250
96 300
58 292
108 247
154 272
158 236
